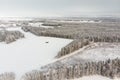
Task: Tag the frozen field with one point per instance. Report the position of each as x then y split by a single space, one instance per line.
29 53
101 51
39 25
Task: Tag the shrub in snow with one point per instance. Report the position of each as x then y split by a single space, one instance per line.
10 38
2 36
34 75
7 76
26 29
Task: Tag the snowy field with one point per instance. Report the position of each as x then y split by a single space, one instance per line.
101 51
39 25
7 19
14 24
29 53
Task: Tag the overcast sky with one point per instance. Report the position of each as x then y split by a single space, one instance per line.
38 8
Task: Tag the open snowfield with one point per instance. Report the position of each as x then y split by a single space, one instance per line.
101 51
28 53
39 25
7 19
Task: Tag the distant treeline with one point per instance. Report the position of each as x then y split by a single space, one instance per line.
108 68
10 36
38 31
51 24
92 36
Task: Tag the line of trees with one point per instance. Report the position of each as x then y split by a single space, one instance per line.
108 68
51 24
99 37
38 31
91 36
73 46
10 36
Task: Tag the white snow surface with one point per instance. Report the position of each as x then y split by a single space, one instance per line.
8 25
29 53
93 52
95 77
39 25
7 19
101 51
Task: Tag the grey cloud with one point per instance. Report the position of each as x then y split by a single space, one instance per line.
58 7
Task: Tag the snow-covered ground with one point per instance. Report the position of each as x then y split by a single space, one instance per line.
101 51
29 53
8 25
39 25
15 19
93 52
95 77
32 52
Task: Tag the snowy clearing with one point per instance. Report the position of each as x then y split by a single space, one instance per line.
101 51
29 53
39 25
